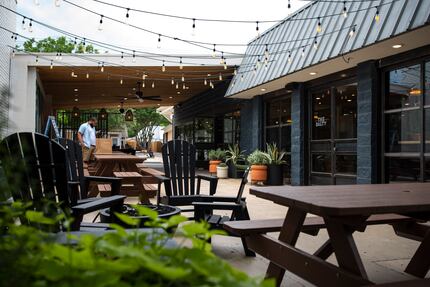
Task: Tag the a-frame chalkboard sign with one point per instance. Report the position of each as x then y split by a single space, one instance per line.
51 124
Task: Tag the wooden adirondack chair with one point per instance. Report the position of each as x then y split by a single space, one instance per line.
180 179
38 170
77 172
239 211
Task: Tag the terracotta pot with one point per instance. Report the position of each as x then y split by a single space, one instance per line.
213 165
258 173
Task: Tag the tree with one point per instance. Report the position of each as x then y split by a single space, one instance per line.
59 45
144 124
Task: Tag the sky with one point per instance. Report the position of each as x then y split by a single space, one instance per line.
85 24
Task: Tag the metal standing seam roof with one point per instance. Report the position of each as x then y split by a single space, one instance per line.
297 33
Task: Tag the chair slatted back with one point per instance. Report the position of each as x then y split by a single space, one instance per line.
36 170
76 164
179 160
242 185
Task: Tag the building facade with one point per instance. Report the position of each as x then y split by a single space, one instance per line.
7 20
345 91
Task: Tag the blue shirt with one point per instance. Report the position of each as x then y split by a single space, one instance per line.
88 134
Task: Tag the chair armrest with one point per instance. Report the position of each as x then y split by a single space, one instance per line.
217 205
106 202
114 181
213 182
220 199
161 178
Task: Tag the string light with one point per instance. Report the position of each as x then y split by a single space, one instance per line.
121 81
220 77
57 3
316 43
214 51
180 63
377 16
183 78
88 75
205 82
13 53
266 51
72 74
60 56
319 28
134 57
122 57
193 33
352 32
127 15
30 26
241 78
235 72
37 59
258 62
222 58
345 10
289 4
183 87
163 68
101 23
143 84
153 85
159 41
177 85
289 57
51 66
211 84
303 52
23 23
257 29
102 68
173 81
225 65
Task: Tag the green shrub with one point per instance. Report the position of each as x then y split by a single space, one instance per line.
216 154
258 158
30 257
276 157
234 154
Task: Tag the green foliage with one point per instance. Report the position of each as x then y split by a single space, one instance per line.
216 154
59 45
276 157
234 154
258 157
30 257
222 165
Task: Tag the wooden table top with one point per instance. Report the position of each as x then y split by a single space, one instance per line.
344 200
118 156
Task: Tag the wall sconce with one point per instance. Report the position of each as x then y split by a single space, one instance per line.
129 116
76 113
103 114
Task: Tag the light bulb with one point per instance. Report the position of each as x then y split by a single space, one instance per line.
13 52
303 52
225 66
60 56
101 23
153 85
57 3
88 75
143 84
183 86
319 28
235 72
23 24
30 26
266 51
121 82
214 51
205 82
289 58
377 16
345 11
220 77
56 56
316 44
193 33
159 41
177 85
173 81
51 66
183 78
163 68
72 74
254 71
102 69
134 57
352 32
257 29
122 57
241 78
180 64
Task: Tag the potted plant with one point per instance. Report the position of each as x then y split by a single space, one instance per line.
235 160
215 158
258 161
276 165
222 170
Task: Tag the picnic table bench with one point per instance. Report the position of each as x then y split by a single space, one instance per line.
342 210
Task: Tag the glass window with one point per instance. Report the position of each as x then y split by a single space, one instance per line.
346 112
321 162
405 88
232 128
273 110
321 107
403 131
346 164
204 130
403 169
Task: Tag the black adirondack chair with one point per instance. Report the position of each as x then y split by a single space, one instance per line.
77 173
204 211
38 170
182 185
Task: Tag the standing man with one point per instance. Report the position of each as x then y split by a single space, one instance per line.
87 139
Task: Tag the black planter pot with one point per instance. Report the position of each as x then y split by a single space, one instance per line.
233 171
275 174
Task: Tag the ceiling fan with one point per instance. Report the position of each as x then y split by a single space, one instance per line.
141 97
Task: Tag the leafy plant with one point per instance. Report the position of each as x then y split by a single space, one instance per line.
234 154
222 164
216 154
258 157
276 157
31 257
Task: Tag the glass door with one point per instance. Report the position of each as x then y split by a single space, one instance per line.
333 148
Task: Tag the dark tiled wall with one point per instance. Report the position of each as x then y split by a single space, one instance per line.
251 123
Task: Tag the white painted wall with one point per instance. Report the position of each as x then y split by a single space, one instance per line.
7 20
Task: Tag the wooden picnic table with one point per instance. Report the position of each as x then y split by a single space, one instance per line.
107 164
344 209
